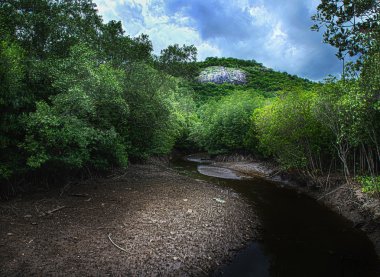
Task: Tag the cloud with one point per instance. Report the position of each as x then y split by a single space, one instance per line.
275 33
213 19
150 17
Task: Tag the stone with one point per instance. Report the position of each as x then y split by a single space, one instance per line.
221 74
220 200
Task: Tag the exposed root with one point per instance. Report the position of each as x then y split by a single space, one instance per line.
331 192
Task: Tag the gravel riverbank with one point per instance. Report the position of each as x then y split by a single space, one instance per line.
148 220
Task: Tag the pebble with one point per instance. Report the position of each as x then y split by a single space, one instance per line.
219 200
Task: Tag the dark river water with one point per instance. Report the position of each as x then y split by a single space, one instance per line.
299 236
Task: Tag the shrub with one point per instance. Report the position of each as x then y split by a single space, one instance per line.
224 123
85 122
288 130
370 184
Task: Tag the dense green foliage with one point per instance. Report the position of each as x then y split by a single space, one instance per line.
78 93
159 111
80 124
288 129
13 99
179 61
224 124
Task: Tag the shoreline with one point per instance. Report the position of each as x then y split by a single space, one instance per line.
362 210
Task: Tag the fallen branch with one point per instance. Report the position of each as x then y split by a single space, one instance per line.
122 249
273 174
65 188
53 210
105 228
79 194
323 196
119 176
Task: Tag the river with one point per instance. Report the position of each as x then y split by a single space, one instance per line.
299 236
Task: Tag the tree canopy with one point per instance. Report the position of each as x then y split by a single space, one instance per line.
351 26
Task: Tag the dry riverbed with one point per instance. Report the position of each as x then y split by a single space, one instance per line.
148 220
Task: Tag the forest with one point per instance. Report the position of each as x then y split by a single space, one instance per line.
78 95
120 160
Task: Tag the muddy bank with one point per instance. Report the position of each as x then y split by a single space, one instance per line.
148 220
347 200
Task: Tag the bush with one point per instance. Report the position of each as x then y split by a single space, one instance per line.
370 184
13 99
224 123
288 130
85 122
159 111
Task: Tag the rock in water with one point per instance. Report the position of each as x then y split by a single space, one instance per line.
221 74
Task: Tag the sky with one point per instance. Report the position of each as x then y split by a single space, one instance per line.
275 33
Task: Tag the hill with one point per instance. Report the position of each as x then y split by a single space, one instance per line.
220 76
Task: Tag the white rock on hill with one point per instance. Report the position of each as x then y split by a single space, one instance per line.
221 74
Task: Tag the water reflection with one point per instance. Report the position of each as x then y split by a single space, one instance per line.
299 237
219 172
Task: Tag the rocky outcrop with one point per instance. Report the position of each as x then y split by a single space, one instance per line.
221 74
